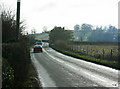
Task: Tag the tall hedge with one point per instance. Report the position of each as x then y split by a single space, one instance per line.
17 55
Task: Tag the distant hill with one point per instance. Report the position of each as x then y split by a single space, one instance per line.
40 36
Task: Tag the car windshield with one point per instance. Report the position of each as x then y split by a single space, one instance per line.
37 45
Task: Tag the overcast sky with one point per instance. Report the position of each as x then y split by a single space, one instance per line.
50 13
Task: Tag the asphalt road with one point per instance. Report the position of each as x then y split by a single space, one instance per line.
57 70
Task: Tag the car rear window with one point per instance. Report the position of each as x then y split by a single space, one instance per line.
37 46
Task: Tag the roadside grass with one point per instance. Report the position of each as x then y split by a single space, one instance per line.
32 81
109 52
112 64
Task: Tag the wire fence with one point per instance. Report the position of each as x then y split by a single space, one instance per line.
102 52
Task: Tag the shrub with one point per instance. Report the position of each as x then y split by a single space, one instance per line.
17 54
7 74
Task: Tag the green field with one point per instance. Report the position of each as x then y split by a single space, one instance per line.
108 52
105 54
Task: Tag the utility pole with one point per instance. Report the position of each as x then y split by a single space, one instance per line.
18 20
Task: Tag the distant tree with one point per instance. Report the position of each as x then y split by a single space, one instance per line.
118 37
45 29
60 36
77 27
99 34
104 28
99 28
86 27
112 33
33 31
112 29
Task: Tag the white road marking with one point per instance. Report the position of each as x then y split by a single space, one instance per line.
42 74
89 63
90 75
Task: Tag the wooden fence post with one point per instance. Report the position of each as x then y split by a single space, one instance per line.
103 53
87 50
77 48
111 53
97 53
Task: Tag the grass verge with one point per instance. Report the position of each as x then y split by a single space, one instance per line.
112 64
32 80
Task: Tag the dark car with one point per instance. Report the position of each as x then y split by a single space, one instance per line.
37 48
39 42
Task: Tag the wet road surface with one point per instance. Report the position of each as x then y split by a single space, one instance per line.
57 70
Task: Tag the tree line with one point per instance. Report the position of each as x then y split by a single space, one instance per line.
87 32
84 33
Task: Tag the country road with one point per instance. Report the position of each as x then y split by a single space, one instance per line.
57 70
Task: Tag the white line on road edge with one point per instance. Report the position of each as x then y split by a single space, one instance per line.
42 74
97 78
90 63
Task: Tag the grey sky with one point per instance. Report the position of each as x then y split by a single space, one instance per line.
50 13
